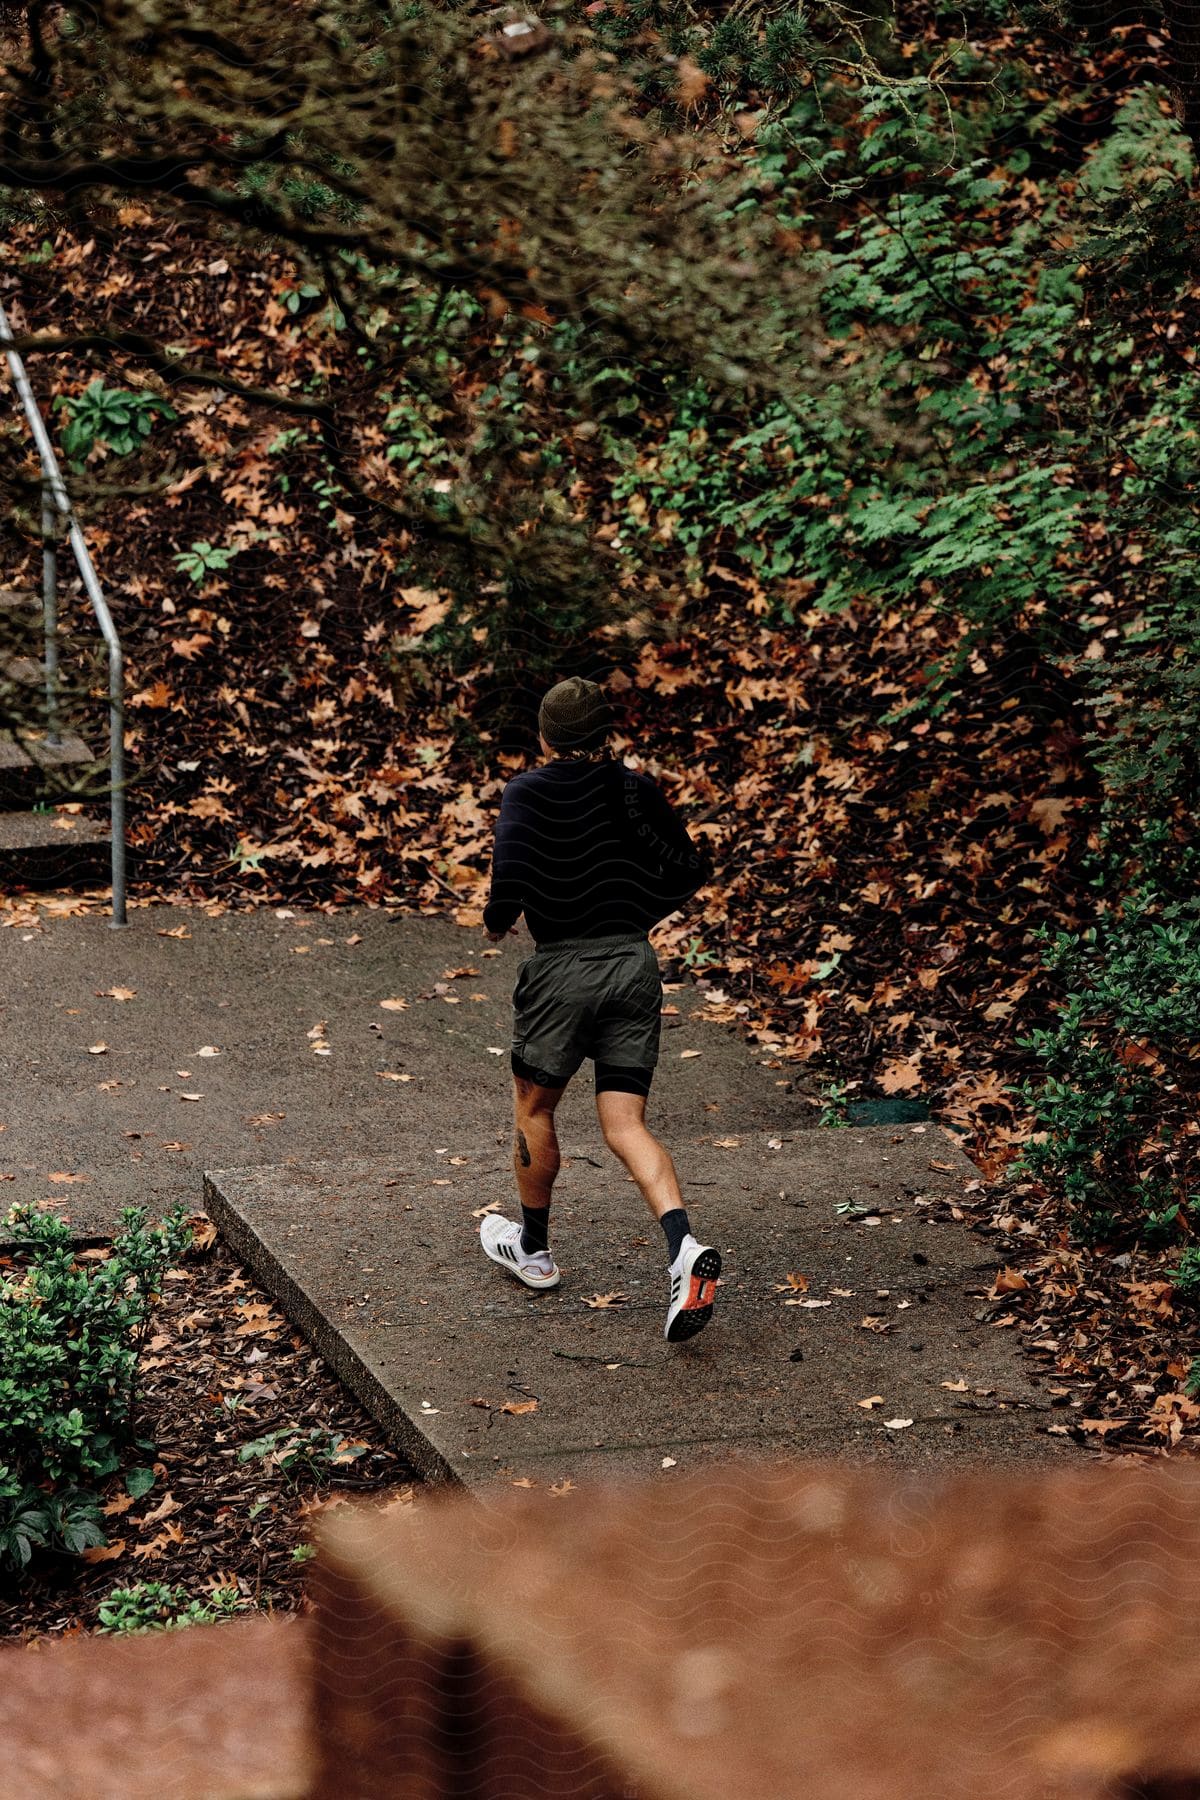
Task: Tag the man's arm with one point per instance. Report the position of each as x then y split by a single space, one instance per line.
678 866
506 901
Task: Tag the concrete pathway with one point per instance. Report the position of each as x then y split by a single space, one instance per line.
822 1307
292 1003
259 1046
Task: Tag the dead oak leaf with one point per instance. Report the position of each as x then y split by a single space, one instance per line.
100 1553
518 1407
63 1175
169 1538
598 1301
166 1506
901 1074
1050 813
793 1284
116 993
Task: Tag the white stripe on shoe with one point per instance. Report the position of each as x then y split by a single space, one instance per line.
501 1240
694 1277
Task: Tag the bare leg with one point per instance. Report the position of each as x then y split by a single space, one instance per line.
536 1156
623 1121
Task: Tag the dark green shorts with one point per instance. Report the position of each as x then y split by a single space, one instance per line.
589 997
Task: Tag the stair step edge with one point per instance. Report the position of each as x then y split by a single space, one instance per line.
49 831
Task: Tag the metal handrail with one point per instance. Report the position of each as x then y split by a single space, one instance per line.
56 503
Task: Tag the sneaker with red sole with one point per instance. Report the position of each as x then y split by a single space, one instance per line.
694 1276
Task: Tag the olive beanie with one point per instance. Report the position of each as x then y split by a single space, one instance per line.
575 715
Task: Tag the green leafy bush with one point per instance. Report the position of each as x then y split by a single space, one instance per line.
116 417
160 1606
201 560
32 1518
1187 1275
299 1453
70 1336
1117 1102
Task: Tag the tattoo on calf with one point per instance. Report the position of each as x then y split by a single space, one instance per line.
523 1150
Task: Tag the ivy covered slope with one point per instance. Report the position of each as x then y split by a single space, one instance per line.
911 630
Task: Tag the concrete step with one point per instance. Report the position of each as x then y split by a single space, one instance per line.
33 768
377 1261
41 850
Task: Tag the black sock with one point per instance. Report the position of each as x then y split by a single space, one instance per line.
533 1230
675 1224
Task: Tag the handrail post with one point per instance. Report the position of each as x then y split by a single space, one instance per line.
50 607
52 480
116 759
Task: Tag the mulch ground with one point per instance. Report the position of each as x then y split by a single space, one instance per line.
223 1369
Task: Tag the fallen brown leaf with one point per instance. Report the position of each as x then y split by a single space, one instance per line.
1010 1281
101 1553
166 1506
517 1407
167 1539
601 1300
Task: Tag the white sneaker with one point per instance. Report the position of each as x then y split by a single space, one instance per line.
501 1240
694 1275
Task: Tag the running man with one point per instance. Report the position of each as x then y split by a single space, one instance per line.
594 855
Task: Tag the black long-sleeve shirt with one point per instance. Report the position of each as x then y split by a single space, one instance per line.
585 849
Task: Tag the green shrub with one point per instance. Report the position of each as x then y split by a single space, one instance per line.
1187 1275
31 1518
1115 1106
299 1453
117 417
204 559
159 1606
70 1336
